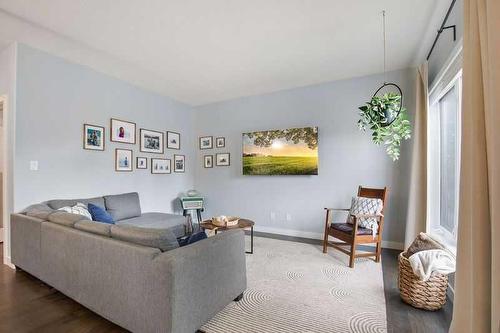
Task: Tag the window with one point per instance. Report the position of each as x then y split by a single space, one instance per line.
444 159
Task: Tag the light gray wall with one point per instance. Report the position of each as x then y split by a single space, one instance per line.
54 99
347 157
445 43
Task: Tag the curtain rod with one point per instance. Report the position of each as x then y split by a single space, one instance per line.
443 27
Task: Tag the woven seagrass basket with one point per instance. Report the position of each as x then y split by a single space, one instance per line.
427 295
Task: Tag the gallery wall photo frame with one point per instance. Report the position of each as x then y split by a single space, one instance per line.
141 162
122 131
161 166
220 142
206 142
93 137
123 160
208 161
173 140
151 141
223 159
179 163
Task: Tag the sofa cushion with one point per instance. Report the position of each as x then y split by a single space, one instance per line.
58 203
348 228
98 228
100 214
162 239
66 219
79 208
175 223
123 206
41 211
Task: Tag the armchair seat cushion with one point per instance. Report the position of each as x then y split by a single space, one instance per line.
347 228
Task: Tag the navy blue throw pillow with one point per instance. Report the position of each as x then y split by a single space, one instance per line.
193 238
99 214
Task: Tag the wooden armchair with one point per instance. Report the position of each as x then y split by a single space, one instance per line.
352 234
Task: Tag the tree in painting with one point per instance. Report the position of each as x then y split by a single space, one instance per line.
307 134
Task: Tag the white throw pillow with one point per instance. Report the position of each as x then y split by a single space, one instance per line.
366 206
79 208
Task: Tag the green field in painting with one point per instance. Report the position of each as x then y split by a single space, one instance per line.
280 165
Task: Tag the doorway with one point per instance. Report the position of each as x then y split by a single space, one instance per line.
1 168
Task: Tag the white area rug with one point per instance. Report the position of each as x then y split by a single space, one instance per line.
294 287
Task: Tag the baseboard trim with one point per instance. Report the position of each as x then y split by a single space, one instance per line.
8 262
318 236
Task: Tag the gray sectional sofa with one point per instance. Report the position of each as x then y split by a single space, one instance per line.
133 272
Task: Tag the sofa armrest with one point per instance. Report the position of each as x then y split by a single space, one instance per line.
25 234
205 277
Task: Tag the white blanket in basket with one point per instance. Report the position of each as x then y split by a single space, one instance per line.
424 263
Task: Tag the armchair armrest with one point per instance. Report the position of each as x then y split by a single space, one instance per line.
377 216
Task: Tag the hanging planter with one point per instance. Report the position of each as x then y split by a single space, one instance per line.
387 120
385 115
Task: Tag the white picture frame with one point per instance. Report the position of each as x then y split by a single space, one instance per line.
179 163
161 166
141 163
151 141
223 159
206 142
93 137
173 140
122 131
123 160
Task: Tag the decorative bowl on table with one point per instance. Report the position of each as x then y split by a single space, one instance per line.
225 221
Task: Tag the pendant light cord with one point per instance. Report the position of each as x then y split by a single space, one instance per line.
383 24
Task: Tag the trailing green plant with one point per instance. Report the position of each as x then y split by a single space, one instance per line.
377 113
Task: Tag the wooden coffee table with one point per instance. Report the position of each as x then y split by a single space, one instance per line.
242 224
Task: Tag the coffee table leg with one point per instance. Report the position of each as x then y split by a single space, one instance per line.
251 242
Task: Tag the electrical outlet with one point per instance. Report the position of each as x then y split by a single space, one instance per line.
288 217
273 216
34 165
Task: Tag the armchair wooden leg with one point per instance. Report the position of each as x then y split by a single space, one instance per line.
378 251
353 253
325 239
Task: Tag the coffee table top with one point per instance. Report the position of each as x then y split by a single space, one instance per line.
242 223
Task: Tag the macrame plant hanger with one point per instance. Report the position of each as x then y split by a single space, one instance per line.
389 84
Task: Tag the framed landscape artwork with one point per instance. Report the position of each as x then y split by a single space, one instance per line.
151 141
173 140
220 142
122 131
141 163
223 159
291 151
179 163
93 137
208 161
160 166
123 159
206 142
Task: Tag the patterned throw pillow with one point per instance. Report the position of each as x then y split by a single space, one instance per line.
79 208
366 206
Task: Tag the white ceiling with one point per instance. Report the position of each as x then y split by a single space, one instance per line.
199 51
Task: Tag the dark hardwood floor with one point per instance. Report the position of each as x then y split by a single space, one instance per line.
29 305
